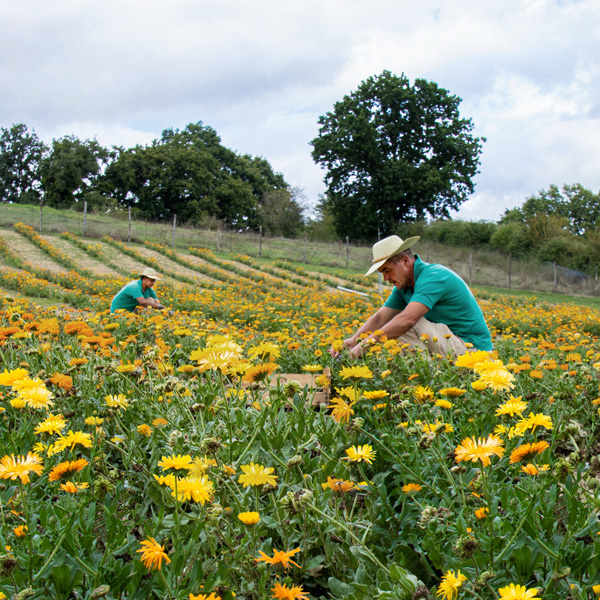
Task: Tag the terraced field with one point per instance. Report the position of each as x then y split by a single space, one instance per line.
163 454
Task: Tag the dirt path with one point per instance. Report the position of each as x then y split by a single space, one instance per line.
169 265
83 260
30 253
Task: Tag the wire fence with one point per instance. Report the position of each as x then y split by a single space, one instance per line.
477 267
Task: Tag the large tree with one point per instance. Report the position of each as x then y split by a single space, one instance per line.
191 174
21 152
71 170
395 153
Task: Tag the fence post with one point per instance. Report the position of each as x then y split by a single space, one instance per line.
218 235
260 241
304 250
129 224
509 270
174 227
471 268
84 216
347 251
41 205
555 276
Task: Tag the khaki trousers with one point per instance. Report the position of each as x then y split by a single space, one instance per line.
436 337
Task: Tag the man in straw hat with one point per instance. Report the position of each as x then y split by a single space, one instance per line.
454 320
137 293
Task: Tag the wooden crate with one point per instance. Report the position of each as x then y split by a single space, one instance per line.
321 395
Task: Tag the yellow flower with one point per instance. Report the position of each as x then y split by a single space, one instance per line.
518 592
67 468
376 394
448 588
249 518
52 424
482 513
358 372
360 453
533 421
73 488
444 404
513 406
279 558
260 372
159 422
264 351
341 410
153 554
175 462
470 359
498 379
144 430
527 451
211 596
257 475
410 488
21 466
452 392
94 421
198 489
72 439
282 592
481 449
200 465
37 397
8 378
312 368
20 531
422 393
338 485
118 401
479 385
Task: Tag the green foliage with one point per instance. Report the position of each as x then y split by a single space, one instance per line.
511 238
395 152
20 157
69 172
280 214
460 233
190 174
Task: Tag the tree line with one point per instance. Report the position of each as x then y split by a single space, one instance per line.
188 173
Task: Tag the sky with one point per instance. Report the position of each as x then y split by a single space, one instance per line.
261 73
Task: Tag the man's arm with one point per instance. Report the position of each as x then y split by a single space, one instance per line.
393 328
153 302
376 321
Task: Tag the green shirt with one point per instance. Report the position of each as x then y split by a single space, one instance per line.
126 298
449 301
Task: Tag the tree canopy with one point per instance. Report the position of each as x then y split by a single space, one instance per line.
395 153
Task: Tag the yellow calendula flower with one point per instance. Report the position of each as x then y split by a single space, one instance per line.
341 410
533 422
411 488
448 588
357 372
249 518
279 558
175 462
254 474
312 368
472 449
117 401
518 592
12 467
513 406
376 394
360 453
153 554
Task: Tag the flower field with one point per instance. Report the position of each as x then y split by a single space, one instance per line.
160 456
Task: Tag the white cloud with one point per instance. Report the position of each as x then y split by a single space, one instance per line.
262 72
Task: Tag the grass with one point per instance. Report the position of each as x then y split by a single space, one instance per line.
479 267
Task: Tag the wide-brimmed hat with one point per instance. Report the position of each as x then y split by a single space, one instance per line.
150 273
388 247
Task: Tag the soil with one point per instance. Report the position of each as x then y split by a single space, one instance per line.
31 253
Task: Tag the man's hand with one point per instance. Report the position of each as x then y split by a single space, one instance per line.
357 351
348 343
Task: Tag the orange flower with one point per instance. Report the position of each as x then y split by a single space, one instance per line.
279 558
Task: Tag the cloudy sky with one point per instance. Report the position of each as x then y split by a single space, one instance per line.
261 73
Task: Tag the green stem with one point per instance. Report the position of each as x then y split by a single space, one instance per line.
353 537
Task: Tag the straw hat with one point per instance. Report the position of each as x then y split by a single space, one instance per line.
150 273
388 247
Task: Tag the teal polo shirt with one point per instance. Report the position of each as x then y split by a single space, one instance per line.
126 297
449 301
